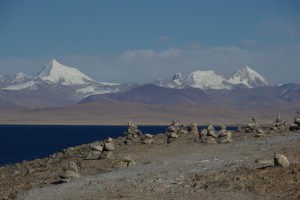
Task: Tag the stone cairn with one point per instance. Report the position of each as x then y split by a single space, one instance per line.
253 127
132 134
147 139
278 125
194 129
224 135
70 171
208 135
296 125
174 130
108 149
94 152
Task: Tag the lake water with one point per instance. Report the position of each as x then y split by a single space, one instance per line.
28 142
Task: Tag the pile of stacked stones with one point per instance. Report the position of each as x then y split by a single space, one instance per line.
147 139
132 134
253 127
173 130
224 135
278 125
108 149
70 171
194 129
296 125
94 152
208 135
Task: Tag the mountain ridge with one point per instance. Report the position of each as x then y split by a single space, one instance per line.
60 85
242 77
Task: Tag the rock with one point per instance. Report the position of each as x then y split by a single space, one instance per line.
128 158
147 135
69 175
109 140
224 139
120 164
211 140
147 141
174 123
171 140
131 163
194 128
259 135
71 166
171 129
173 135
281 161
293 127
204 132
260 131
212 133
93 155
109 146
252 126
96 147
128 142
264 161
106 155
132 131
125 162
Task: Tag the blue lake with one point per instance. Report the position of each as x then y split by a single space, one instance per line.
28 142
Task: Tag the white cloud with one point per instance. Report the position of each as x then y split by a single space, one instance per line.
138 54
280 65
250 43
164 38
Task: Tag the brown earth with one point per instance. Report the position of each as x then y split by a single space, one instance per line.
119 113
185 169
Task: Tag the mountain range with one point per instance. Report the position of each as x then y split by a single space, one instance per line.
57 85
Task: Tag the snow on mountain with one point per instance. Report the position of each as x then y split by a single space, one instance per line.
247 76
30 85
54 72
205 80
243 76
179 78
12 79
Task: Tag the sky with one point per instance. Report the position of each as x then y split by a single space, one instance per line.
144 40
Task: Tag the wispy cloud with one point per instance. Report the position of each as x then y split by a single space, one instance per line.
250 43
164 39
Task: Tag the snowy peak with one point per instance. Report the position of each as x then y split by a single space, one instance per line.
205 80
242 77
54 72
11 79
247 76
179 78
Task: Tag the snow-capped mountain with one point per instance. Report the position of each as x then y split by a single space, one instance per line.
247 76
60 85
55 85
14 79
60 76
54 72
242 77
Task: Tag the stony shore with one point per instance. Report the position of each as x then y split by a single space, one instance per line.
183 169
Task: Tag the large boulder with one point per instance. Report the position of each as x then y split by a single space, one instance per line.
281 161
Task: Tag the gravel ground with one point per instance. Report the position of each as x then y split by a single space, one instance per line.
189 170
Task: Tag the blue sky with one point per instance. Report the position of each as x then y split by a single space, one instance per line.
143 40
